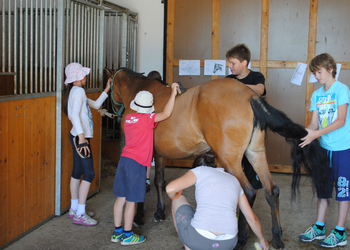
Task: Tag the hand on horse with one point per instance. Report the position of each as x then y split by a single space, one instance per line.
174 87
312 135
108 85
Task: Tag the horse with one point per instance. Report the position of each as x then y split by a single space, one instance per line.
227 117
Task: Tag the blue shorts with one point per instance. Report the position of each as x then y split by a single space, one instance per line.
130 180
339 173
194 240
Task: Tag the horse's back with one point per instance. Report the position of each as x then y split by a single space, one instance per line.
202 116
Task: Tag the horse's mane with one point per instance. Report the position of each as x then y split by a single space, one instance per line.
139 75
133 73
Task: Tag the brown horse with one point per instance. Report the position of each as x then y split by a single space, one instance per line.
229 118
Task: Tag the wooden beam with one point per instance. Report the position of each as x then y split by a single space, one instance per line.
311 50
264 36
215 32
270 64
170 42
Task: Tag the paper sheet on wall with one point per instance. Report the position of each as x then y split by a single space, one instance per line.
215 67
189 67
298 74
312 77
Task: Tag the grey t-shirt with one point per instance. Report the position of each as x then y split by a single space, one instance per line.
217 194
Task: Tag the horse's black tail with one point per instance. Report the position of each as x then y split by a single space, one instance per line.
310 156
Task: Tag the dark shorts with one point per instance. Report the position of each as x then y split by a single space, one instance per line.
339 174
130 180
251 175
191 238
82 166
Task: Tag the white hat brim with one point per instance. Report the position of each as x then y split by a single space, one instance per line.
139 109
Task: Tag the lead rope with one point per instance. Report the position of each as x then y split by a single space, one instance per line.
119 113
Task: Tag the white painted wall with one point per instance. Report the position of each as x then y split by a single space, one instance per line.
150 33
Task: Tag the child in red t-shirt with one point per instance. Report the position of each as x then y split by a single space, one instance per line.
129 184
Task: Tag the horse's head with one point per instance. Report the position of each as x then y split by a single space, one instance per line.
116 96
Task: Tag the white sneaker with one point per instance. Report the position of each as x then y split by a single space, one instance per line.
84 219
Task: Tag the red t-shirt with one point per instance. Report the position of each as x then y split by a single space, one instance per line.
139 130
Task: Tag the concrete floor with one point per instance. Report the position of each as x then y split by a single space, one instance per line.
61 233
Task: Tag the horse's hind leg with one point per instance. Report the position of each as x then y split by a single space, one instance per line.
256 155
158 183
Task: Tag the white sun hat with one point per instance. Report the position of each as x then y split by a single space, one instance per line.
75 72
143 102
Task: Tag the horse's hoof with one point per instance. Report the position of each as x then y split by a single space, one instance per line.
240 247
277 243
156 220
159 216
138 222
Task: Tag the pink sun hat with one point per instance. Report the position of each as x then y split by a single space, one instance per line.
75 72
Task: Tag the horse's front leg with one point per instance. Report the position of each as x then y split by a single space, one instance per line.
140 212
158 183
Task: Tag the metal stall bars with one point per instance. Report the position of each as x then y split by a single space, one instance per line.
119 51
84 39
28 47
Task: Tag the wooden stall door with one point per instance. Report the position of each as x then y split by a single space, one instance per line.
27 165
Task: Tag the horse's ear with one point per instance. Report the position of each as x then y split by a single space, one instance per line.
108 72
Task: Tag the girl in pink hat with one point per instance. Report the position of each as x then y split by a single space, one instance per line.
77 108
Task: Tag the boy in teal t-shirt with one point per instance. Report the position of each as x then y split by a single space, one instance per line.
331 123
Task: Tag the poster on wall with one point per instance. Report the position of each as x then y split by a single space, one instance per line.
215 67
298 74
189 67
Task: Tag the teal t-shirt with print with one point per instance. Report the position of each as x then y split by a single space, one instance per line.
326 104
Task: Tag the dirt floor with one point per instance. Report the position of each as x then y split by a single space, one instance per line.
61 233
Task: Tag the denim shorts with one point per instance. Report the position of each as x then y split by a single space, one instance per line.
191 238
130 180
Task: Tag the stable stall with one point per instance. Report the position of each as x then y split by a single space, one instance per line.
38 38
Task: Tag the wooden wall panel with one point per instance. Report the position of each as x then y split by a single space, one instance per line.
4 172
67 155
27 164
240 26
16 172
197 32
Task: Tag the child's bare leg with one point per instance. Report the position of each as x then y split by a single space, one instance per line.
74 188
129 214
84 191
342 213
322 206
118 211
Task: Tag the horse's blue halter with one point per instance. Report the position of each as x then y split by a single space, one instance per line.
119 113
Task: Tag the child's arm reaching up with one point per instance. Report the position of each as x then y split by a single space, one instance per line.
168 109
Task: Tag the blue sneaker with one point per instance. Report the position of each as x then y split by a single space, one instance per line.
313 233
334 240
132 239
116 236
